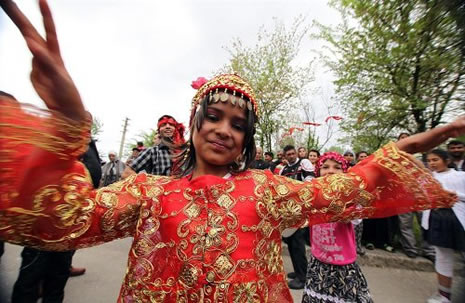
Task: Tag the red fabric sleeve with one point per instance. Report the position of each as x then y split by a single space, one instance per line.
388 182
46 195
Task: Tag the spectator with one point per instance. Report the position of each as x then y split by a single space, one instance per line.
298 169
445 227
269 157
350 157
277 164
302 153
112 170
140 145
135 153
259 163
156 160
402 136
456 150
313 156
361 155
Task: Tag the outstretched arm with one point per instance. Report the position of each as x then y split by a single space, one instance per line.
388 182
425 141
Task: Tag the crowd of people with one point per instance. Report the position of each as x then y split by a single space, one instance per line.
208 213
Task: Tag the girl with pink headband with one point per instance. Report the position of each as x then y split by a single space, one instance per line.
332 274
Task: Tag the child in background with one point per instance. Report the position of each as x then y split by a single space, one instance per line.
332 274
445 226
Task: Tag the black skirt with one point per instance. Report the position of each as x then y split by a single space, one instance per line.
328 283
445 230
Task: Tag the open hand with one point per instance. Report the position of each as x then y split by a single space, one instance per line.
49 76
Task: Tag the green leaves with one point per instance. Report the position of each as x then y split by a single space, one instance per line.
399 66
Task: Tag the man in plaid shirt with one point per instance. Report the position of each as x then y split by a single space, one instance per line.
156 160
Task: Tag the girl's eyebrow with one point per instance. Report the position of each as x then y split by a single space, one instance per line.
240 119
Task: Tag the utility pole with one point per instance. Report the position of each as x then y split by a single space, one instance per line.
123 137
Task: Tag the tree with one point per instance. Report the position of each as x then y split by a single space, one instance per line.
399 66
96 128
272 69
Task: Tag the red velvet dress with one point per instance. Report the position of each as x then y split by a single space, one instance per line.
202 240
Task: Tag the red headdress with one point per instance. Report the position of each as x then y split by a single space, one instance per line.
223 88
332 156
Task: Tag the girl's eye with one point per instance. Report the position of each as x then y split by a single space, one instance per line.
212 117
239 127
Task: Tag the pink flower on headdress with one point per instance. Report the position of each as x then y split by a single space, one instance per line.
199 82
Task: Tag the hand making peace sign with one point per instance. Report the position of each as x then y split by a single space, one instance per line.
49 76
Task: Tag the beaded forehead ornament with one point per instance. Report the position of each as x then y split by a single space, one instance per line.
224 88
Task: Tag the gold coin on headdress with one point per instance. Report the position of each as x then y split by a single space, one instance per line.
241 103
210 99
233 100
224 97
216 97
249 105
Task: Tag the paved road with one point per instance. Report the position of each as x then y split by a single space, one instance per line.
106 266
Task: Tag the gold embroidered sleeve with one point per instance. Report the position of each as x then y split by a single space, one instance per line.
70 214
46 196
387 183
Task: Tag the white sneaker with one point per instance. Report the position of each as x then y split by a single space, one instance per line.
438 298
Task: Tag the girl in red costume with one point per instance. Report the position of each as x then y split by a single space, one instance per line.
213 232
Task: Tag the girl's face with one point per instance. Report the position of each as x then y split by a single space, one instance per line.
436 163
349 157
220 139
313 157
362 156
330 167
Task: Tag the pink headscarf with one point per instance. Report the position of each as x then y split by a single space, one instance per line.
331 156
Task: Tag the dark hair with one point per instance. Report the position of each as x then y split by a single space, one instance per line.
314 151
135 148
288 148
269 154
454 142
361 152
184 161
5 94
401 134
140 143
441 154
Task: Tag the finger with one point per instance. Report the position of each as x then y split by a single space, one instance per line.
44 63
50 30
21 21
41 85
